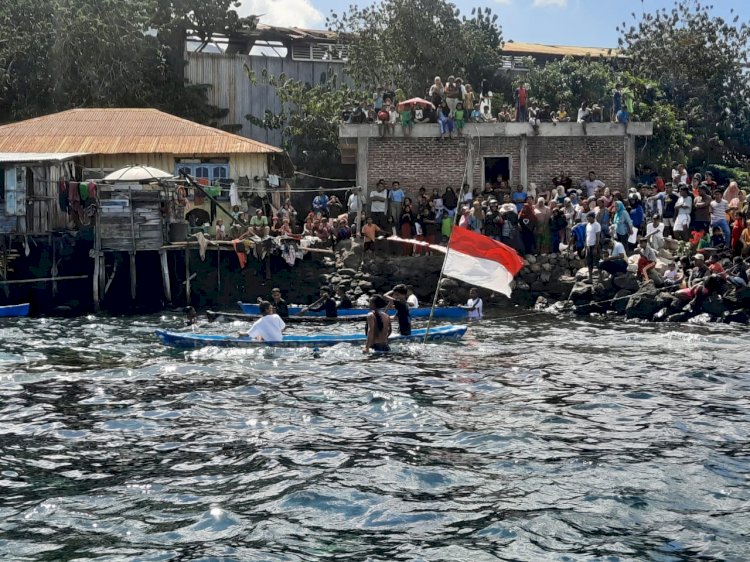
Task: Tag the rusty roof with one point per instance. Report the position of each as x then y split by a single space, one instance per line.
530 49
266 31
123 131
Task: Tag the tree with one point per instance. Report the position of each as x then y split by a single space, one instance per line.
702 78
309 120
569 81
409 42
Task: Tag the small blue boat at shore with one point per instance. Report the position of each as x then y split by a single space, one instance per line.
193 340
444 312
14 310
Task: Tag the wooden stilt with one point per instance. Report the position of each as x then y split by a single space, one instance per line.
95 281
165 276
218 269
187 276
133 279
102 274
53 270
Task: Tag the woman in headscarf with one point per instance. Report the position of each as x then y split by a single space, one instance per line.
623 224
450 200
527 222
607 196
559 196
731 192
543 231
477 215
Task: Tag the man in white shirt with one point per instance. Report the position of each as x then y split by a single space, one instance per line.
411 298
379 204
719 215
474 305
655 231
592 184
269 327
679 175
617 260
683 207
593 233
354 207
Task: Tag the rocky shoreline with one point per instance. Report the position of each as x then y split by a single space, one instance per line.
560 280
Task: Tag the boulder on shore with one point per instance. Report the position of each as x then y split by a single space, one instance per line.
643 304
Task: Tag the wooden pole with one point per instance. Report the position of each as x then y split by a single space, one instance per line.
102 274
53 270
187 275
218 269
165 276
95 281
133 279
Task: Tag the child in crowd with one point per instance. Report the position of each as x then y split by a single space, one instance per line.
459 118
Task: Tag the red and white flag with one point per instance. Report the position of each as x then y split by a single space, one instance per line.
479 260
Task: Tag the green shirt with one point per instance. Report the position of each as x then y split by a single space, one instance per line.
259 221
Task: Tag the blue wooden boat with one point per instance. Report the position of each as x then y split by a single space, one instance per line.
445 312
192 340
14 310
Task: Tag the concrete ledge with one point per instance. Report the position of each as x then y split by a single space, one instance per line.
639 129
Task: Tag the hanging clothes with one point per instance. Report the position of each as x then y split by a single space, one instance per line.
62 195
234 196
83 190
273 180
240 251
74 197
91 189
202 245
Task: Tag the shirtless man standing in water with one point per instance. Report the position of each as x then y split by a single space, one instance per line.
378 326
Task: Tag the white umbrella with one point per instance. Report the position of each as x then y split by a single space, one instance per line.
138 173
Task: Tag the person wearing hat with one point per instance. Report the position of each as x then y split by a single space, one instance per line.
324 303
683 207
259 224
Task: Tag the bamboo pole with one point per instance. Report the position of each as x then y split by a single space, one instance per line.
44 279
187 275
133 279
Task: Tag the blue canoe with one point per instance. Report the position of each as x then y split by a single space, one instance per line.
452 312
14 310
190 340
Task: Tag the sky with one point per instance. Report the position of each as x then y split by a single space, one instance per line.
586 23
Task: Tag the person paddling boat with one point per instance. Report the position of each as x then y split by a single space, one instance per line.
325 302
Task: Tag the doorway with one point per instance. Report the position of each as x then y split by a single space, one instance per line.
495 166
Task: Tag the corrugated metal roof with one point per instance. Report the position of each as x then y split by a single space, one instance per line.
123 131
530 49
22 157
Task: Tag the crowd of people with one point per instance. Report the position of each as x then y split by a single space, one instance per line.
453 103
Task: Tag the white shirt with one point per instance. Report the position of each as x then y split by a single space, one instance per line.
688 205
718 211
267 328
651 228
679 178
477 313
353 201
618 250
592 229
412 301
378 206
591 186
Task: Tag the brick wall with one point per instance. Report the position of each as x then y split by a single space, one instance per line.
435 163
417 162
548 156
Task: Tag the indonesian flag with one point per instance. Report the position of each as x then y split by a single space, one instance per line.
479 260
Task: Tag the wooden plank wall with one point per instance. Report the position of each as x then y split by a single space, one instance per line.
231 88
115 228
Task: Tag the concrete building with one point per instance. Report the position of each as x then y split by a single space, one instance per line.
515 151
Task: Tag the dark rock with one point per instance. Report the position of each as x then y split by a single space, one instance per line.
643 303
669 301
714 306
347 272
738 316
683 316
620 301
626 281
661 315
581 294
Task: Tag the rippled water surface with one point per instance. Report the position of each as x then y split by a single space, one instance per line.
537 438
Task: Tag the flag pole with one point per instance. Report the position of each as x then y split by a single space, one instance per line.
442 269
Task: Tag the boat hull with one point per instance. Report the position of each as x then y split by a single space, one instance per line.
213 316
453 312
192 340
14 310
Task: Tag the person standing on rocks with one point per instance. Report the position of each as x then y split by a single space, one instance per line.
593 238
379 204
683 208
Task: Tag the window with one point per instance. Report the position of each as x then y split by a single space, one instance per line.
205 171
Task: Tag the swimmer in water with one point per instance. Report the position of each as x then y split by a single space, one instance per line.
378 326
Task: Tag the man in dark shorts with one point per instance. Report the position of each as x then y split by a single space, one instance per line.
397 297
378 326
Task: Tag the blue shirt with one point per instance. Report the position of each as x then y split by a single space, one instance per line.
397 196
519 198
320 203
